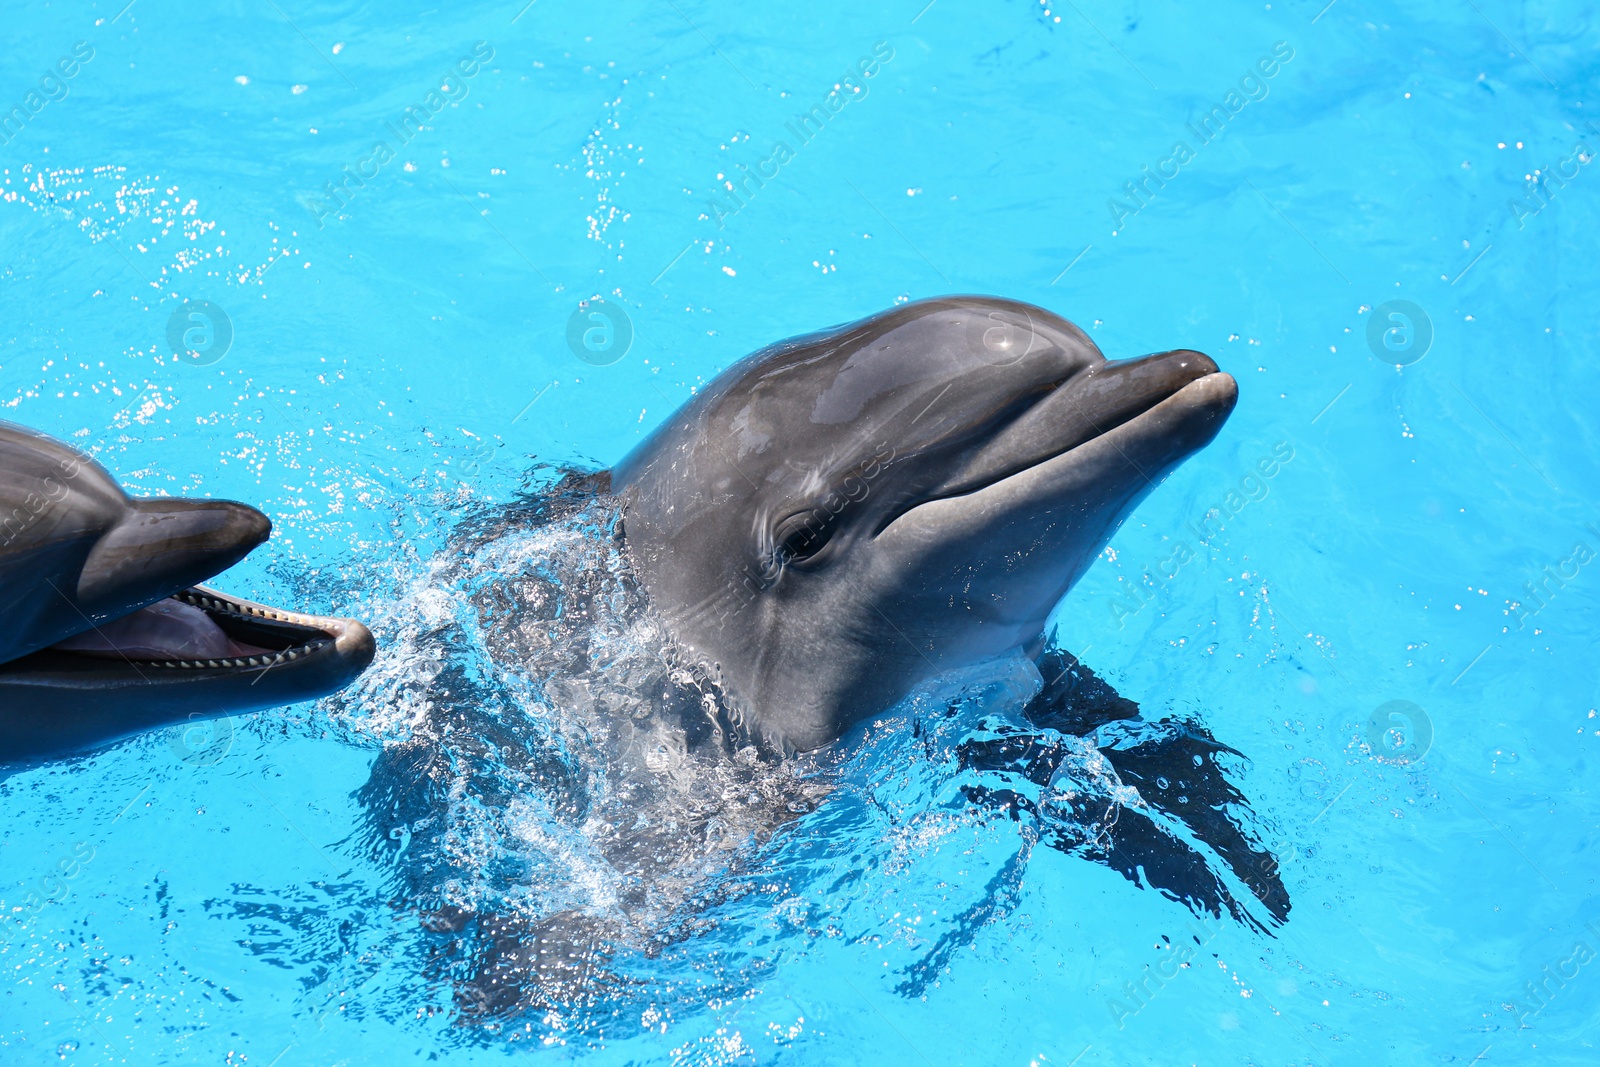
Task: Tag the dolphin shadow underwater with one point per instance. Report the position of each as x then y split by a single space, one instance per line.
605 699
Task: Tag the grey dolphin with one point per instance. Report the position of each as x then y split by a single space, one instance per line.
842 515
829 523
106 630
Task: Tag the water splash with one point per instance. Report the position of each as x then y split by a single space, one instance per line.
576 821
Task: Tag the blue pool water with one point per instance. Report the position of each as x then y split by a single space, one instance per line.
391 357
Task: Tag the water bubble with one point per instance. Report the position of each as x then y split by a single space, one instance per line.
1312 777
1499 756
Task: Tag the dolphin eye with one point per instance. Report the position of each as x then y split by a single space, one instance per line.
801 536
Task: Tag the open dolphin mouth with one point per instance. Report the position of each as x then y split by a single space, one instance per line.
196 654
202 629
198 637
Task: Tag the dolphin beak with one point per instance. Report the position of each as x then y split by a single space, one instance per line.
1153 410
1119 391
163 546
1193 398
1027 517
1086 453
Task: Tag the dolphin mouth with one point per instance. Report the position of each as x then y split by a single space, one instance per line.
198 653
1148 413
197 639
201 629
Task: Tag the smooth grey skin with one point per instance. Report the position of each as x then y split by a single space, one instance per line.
843 515
78 555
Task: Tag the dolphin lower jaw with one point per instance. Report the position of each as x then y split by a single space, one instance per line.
63 700
1046 523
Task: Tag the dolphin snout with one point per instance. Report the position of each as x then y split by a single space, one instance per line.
1184 391
1120 390
1186 358
164 545
1161 374
355 646
1195 375
1175 403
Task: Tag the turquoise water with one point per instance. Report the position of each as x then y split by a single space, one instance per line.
392 356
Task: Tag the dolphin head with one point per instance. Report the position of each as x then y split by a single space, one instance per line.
104 627
842 515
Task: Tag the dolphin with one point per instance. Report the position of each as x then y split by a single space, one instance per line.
107 631
638 675
841 516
